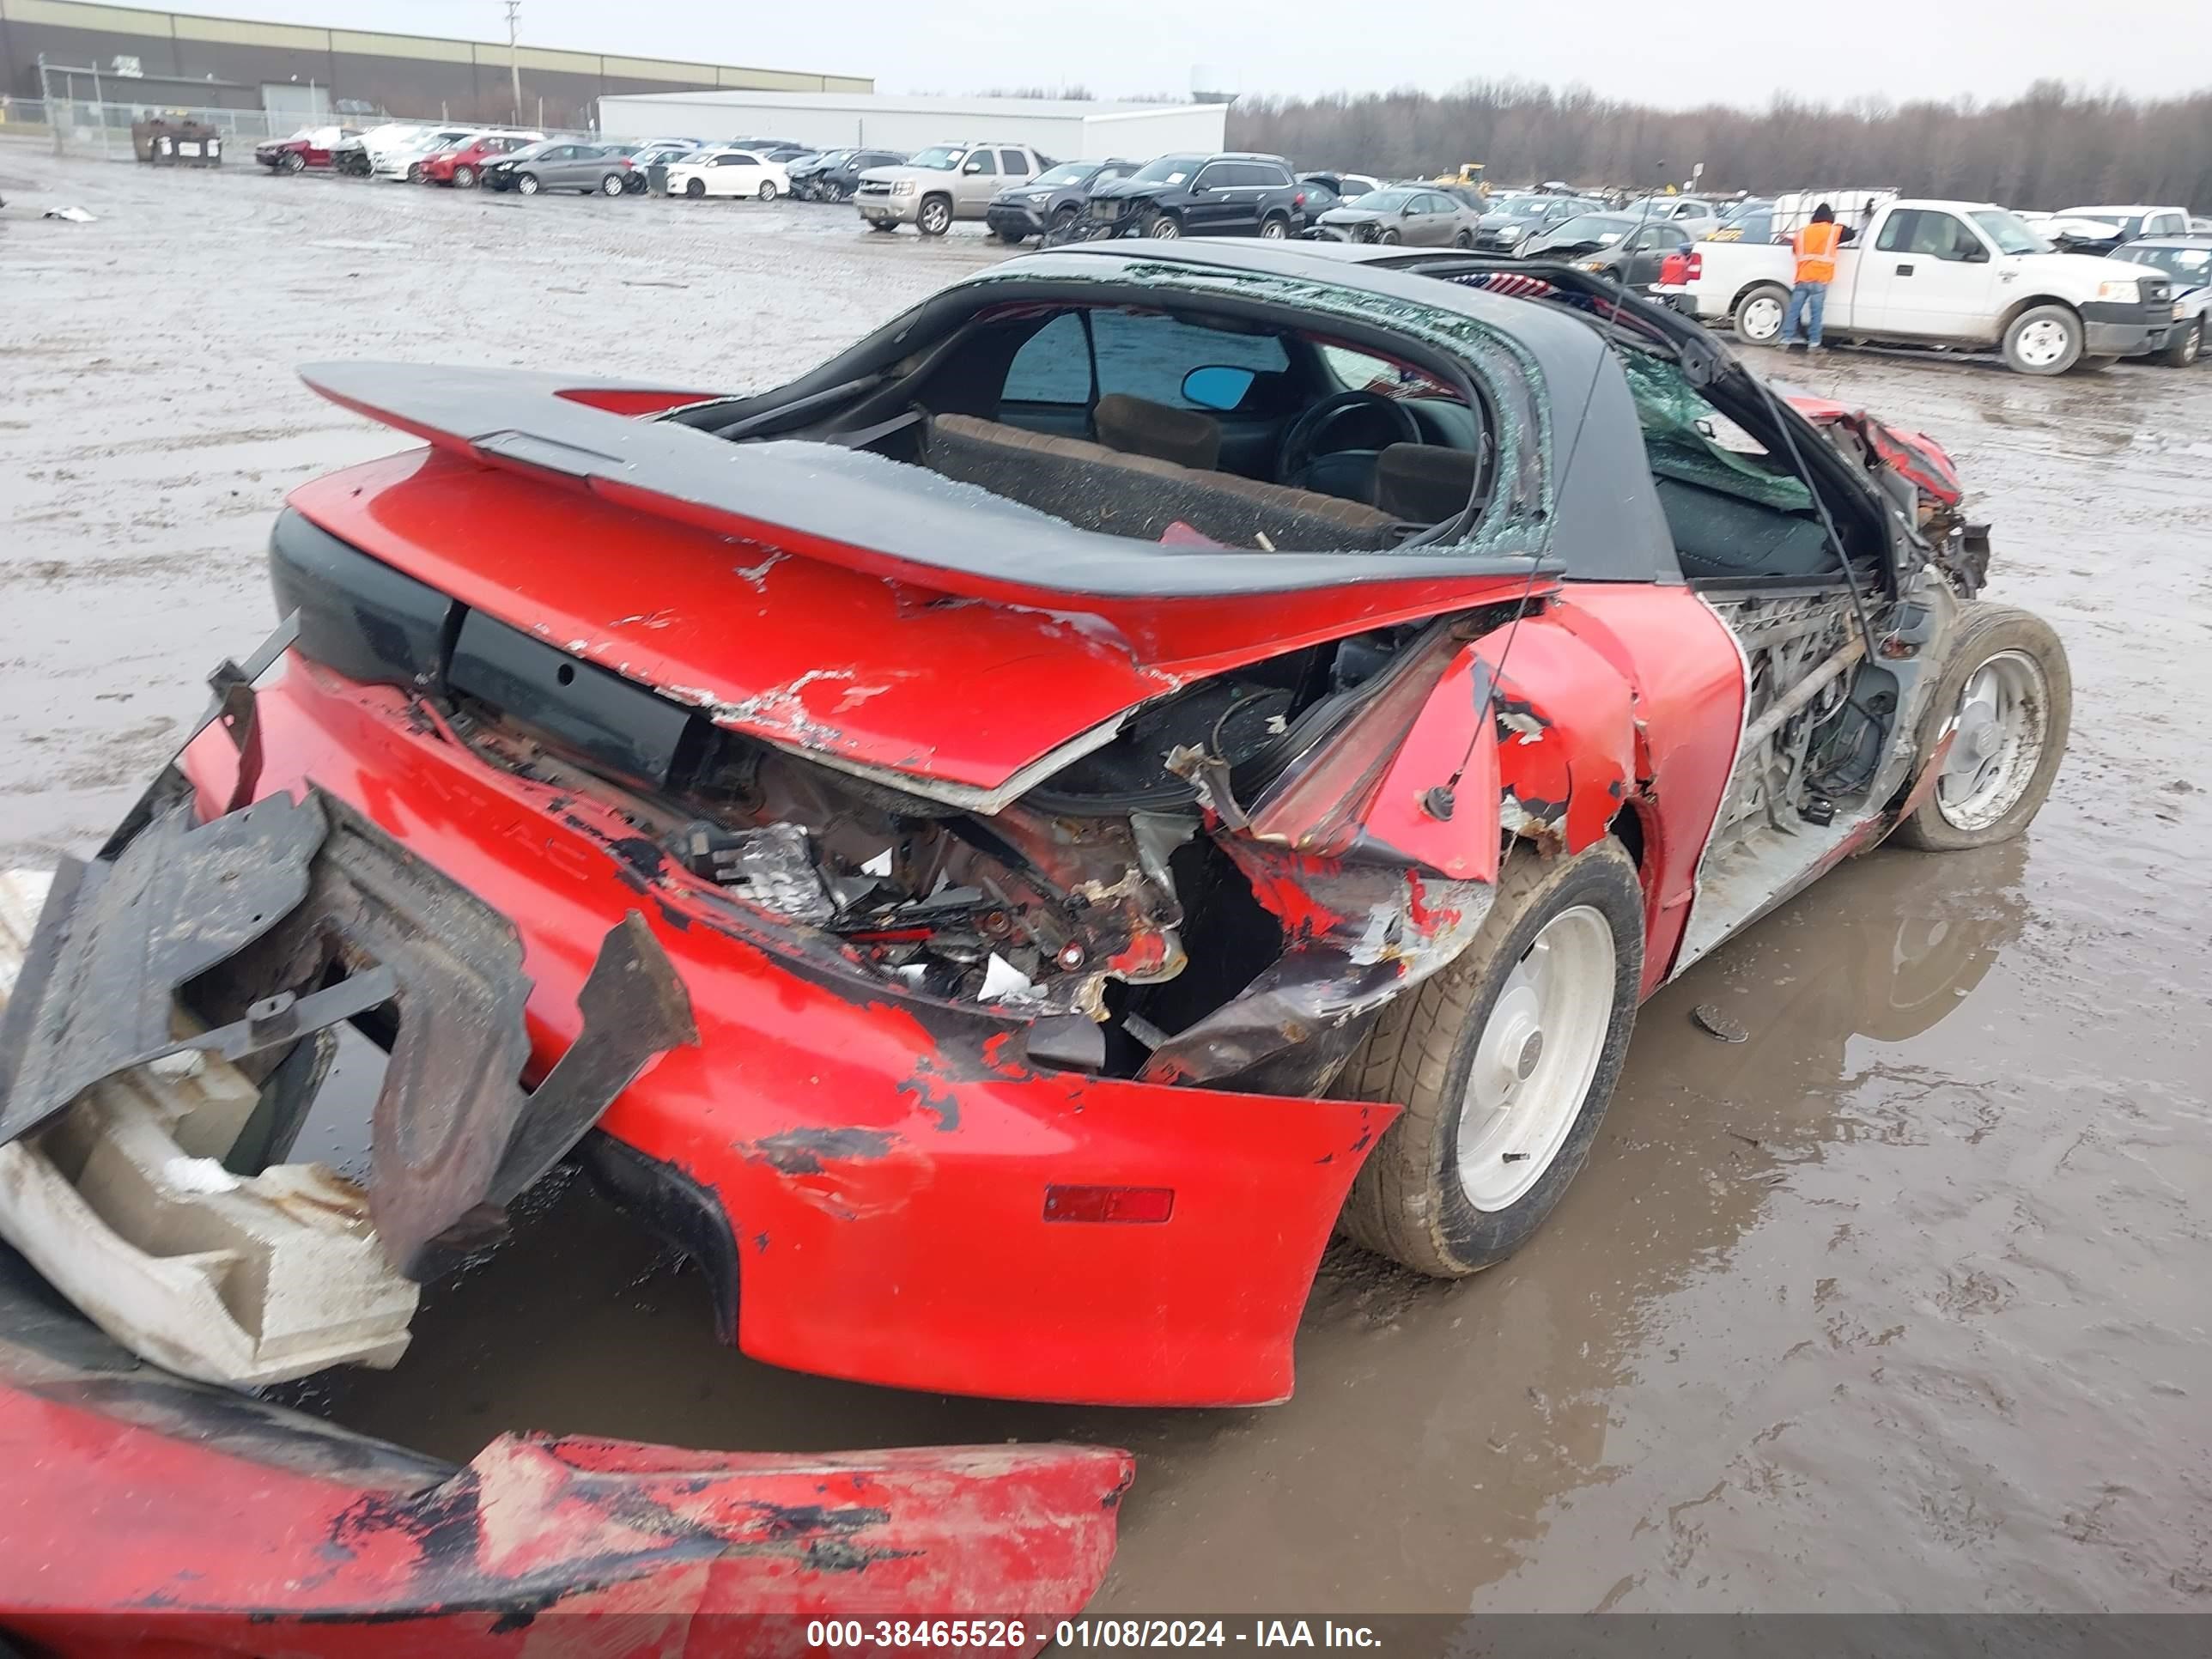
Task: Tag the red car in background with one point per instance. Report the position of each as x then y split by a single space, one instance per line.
462 166
310 147
1000 846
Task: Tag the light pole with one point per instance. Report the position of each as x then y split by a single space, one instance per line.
515 57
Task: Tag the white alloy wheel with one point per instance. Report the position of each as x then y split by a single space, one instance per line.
2043 342
2004 715
1537 1056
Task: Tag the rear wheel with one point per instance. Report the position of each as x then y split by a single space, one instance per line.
414 173
1504 1062
613 184
1275 230
2042 340
2010 690
1464 240
2182 344
464 178
1759 314
768 190
936 217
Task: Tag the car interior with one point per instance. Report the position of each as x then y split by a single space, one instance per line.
1194 427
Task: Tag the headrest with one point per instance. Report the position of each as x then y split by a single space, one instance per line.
1425 484
1135 426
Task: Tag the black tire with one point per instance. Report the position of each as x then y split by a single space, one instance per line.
2182 344
525 182
767 192
1274 228
613 184
694 188
2024 344
1408 1201
1748 318
1011 238
637 183
1389 236
464 178
295 162
1062 222
1464 240
1988 632
934 217
414 173
881 224
1164 226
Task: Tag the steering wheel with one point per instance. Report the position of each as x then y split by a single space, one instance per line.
1302 442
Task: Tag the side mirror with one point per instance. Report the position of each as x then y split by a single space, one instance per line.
1406 211
1217 386
1977 255
973 166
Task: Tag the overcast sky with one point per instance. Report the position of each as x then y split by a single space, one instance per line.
1835 50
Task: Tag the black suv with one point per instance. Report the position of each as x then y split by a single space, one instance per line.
1227 195
1054 203
832 175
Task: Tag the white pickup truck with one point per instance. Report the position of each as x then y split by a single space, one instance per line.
1962 275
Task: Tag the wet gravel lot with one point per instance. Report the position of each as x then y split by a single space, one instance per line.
1900 1304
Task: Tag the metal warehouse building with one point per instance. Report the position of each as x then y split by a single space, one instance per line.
162 59
1065 129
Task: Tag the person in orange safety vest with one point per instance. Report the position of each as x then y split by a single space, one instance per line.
1815 247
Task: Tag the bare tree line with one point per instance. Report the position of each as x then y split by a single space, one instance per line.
2051 148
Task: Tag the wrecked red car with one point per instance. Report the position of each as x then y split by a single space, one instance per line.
999 846
310 147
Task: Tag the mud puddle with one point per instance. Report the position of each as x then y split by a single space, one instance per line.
1898 1305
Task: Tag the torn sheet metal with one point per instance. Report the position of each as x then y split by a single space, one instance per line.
150 1511
1357 935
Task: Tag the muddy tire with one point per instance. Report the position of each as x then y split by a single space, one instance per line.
2042 340
1504 1063
694 188
935 217
2182 344
2007 685
1759 314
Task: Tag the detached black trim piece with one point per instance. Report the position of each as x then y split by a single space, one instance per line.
684 1214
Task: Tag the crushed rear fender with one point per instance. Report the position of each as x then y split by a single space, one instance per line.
143 1512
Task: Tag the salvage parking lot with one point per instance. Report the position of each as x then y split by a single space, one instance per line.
1897 1304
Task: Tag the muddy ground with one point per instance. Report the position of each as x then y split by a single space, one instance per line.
1900 1304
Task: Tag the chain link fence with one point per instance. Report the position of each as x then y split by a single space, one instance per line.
83 126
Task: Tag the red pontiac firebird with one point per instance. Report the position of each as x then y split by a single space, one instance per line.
1002 845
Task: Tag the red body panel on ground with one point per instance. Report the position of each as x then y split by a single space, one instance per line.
212 1528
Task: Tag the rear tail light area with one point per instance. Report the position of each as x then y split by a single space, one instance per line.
1123 1204
1694 269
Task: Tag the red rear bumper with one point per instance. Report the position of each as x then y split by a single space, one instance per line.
879 1170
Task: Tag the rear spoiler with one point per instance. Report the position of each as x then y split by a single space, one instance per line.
845 506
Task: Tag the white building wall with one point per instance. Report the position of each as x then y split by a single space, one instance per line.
1066 131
